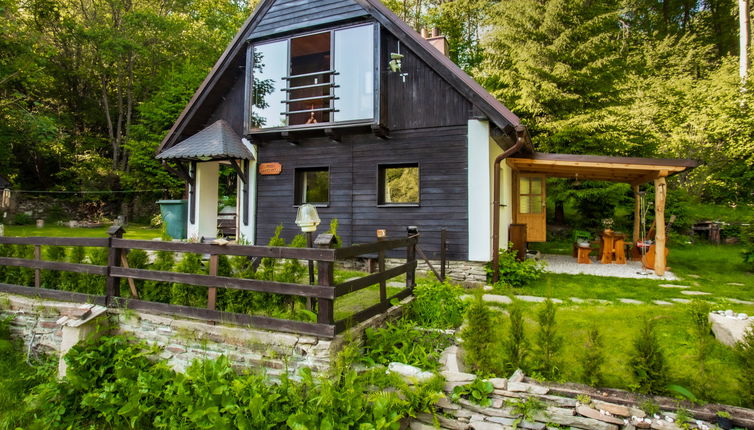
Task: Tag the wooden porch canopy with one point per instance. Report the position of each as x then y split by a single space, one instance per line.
632 170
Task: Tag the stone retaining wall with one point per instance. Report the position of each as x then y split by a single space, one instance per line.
39 323
467 273
560 406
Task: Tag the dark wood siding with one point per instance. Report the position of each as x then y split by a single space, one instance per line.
231 107
440 152
289 15
424 100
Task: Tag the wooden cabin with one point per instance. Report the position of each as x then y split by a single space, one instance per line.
340 104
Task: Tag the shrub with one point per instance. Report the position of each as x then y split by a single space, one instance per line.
437 305
648 363
480 338
477 392
516 346
747 238
745 357
137 259
154 290
404 343
70 281
22 219
94 284
592 357
549 342
515 273
51 278
185 294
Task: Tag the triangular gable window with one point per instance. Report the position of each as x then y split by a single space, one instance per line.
314 79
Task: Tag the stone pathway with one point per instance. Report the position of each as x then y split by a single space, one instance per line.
632 269
506 300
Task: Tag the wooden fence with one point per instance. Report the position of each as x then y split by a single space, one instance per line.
324 293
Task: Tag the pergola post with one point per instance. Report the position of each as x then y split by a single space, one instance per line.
637 215
660 194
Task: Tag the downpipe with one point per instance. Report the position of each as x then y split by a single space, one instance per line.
520 140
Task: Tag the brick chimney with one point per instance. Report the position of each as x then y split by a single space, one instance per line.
437 40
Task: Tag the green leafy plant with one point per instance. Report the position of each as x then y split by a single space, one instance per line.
403 342
137 259
698 312
549 342
650 406
477 392
525 409
648 363
745 358
592 357
515 273
437 304
70 281
516 346
154 290
480 338
584 399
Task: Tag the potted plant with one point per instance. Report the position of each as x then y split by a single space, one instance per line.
607 224
723 420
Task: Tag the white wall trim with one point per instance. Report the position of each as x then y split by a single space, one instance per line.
479 193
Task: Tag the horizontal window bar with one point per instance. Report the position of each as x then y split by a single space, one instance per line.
330 96
303 87
306 75
293 112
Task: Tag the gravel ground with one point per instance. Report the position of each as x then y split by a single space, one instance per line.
632 269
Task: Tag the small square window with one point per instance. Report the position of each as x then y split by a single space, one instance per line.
312 185
398 184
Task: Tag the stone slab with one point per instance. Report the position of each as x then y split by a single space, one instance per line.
576 300
495 298
457 376
681 300
485 425
673 286
614 409
537 299
631 301
695 293
728 330
596 415
740 302
661 302
523 387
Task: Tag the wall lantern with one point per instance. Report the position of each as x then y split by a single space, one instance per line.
307 218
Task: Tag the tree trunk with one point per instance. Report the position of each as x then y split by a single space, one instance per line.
743 38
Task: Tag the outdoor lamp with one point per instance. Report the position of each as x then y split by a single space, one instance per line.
307 218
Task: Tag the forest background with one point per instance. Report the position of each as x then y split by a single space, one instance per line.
88 88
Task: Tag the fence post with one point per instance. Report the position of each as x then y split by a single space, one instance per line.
37 272
412 231
443 252
381 268
113 260
212 291
326 278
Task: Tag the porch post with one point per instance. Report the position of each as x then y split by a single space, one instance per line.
660 194
637 215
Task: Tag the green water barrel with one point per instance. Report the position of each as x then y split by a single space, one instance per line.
174 214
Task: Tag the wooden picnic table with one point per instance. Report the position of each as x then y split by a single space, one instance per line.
613 247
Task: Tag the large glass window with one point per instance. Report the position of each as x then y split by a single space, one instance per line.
312 186
398 184
355 78
317 78
270 66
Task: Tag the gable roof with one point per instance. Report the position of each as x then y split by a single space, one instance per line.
498 114
216 142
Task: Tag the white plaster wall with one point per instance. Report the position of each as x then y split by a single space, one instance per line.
206 201
246 232
505 208
480 193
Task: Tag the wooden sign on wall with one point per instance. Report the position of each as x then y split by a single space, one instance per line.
270 168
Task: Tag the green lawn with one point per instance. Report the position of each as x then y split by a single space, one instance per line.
133 231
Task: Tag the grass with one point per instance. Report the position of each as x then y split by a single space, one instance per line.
133 231
619 325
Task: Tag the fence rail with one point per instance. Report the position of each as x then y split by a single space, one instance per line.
322 295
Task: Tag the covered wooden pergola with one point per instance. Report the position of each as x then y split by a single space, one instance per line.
632 170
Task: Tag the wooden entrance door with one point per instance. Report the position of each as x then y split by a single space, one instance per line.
530 206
